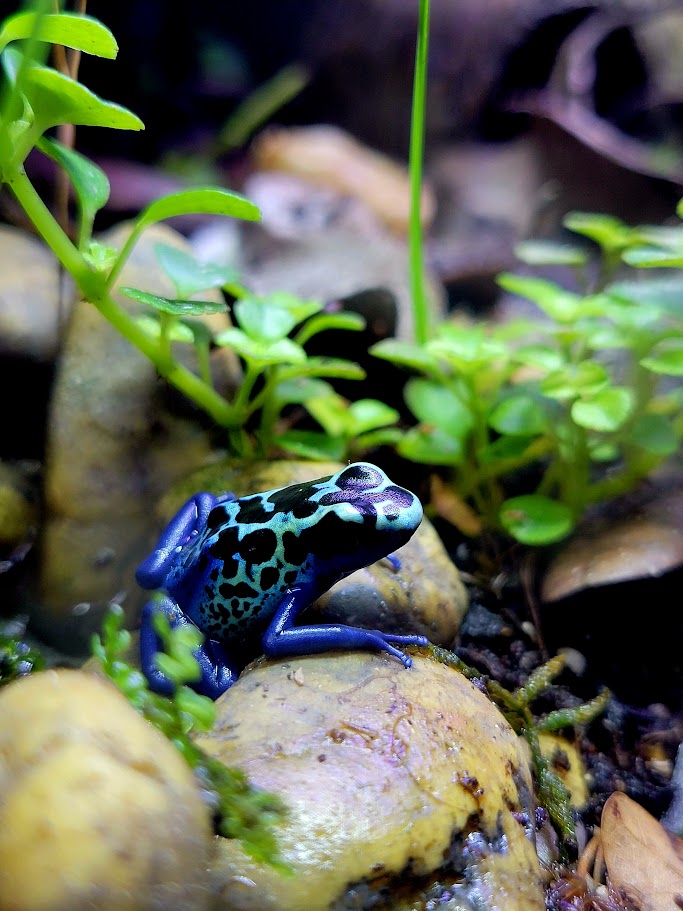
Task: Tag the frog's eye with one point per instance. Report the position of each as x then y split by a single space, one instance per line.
360 476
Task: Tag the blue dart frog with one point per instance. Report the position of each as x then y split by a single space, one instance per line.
240 569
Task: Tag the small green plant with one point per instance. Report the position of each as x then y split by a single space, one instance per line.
240 810
38 98
516 705
17 659
549 394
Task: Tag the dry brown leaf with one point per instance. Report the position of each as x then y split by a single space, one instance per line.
643 860
453 508
634 540
330 157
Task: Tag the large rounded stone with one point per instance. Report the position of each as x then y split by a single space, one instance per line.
397 782
97 808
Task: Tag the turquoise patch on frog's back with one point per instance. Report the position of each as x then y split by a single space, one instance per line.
254 549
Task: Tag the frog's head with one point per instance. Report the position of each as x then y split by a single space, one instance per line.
361 517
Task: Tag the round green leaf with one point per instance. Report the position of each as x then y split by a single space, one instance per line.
56 98
575 379
89 181
178 332
653 258
504 448
550 253
299 389
282 352
369 414
541 357
325 321
82 33
431 446
189 276
262 321
331 367
311 444
608 232
605 411
518 415
199 201
176 307
437 405
655 434
559 304
406 354
535 519
665 358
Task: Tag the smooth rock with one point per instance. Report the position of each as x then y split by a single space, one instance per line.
395 780
97 808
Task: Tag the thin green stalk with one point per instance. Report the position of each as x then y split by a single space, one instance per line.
418 284
74 262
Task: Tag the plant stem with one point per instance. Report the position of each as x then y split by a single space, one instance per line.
83 274
418 284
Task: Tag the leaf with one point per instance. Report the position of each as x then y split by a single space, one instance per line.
550 253
652 258
331 367
325 321
284 351
261 321
649 298
434 404
199 201
655 434
89 181
535 519
299 389
431 446
641 857
300 309
406 354
504 448
606 411
177 332
608 232
541 357
518 415
312 444
331 411
176 307
466 347
82 33
574 380
559 304
56 98
665 358
369 414
189 276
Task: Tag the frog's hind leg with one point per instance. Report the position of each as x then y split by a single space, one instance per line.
282 638
216 671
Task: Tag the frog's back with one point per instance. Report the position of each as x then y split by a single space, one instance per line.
257 547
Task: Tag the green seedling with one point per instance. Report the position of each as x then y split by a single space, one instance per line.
37 98
17 659
241 811
548 394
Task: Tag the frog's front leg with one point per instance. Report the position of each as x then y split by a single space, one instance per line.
282 638
217 672
188 521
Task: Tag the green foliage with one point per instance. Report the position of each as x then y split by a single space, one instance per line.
516 705
241 811
549 394
36 98
17 659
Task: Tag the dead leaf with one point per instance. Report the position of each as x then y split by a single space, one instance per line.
453 508
643 860
330 157
633 538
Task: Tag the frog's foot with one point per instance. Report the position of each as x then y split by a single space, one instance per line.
216 672
282 638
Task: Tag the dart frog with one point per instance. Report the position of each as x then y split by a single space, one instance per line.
240 568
